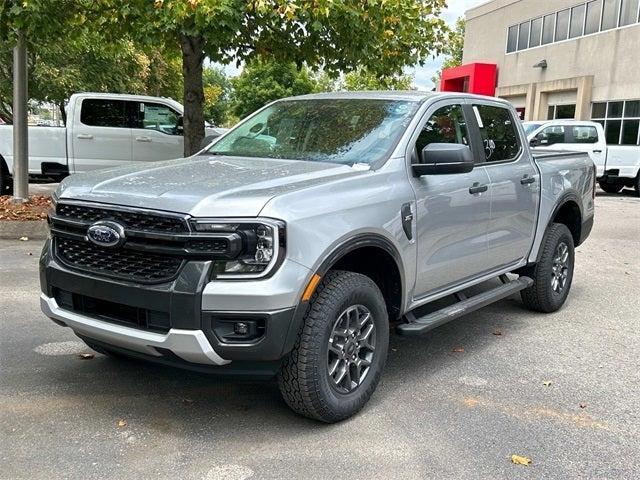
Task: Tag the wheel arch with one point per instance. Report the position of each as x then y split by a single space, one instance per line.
569 213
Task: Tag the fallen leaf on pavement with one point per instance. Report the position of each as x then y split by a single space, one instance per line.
547 383
86 356
29 253
519 460
583 405
122 423
458 349
498 332
24 239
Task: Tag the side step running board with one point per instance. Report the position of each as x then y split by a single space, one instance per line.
419 326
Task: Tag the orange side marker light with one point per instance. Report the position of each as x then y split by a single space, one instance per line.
311 287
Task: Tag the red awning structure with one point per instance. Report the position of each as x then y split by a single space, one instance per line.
478 78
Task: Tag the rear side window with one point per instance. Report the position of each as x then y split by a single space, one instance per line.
155 116
104 113
583 134
445 125
498 131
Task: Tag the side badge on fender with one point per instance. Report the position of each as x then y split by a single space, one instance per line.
407 220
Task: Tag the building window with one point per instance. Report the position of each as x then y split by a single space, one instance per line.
577 21
556 112
585 18
523 36
536 32
548 28
620 120
628 12
610 14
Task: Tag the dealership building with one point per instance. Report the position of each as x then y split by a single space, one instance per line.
557 59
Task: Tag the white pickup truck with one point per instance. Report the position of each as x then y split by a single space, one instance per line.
618 166
103 130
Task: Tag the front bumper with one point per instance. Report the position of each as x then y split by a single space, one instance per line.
185 319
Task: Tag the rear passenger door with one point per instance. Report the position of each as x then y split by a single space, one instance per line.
515 184
157 132
100 136
452 210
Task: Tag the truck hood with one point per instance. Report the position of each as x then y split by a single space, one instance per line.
202 186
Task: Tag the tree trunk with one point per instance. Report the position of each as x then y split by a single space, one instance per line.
193 118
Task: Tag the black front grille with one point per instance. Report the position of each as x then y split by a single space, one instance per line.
125 264
144 222
112 312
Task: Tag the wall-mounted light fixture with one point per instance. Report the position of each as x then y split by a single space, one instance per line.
541 64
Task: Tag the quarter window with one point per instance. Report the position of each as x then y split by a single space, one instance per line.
498 131
104 113
446 125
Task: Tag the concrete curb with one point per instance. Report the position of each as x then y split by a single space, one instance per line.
33 229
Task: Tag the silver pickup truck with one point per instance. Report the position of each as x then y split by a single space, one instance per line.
292 244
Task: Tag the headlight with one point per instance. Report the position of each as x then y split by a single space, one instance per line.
263 242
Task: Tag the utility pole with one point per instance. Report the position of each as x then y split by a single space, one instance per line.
20 119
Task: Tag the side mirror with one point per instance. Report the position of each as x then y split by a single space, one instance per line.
180 125
444 158
533 142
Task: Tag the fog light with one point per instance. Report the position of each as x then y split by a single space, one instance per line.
240 328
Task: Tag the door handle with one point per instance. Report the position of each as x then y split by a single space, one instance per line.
477 188
143 139
85 136
597 151
526 180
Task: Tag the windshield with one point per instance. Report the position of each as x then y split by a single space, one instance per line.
530 127
345 131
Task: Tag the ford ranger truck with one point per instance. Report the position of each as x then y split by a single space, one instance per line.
291 245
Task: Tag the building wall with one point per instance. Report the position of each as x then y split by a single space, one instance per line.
599 67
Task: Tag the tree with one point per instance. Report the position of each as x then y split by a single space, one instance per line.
363 80
217 88
263 81
454 50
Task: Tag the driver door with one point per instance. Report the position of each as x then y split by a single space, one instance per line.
156 133
452 211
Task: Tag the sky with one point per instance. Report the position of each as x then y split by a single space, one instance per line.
422 74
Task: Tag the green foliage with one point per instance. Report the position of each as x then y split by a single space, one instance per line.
363 80
217 88
454 49
264 81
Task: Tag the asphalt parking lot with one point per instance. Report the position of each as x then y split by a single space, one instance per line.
561 389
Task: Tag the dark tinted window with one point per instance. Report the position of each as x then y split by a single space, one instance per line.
446 125
632 109
565 111
551 135
523 36
599 110
512 39
630 132
498 131
583 134
562 25
104 113
155 116
593 17
629 12
536 31
577 21
548 28
612 131
610 14
615 110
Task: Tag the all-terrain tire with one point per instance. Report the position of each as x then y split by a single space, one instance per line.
542 296
304 379
611 187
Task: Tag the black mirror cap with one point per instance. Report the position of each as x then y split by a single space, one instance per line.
443 159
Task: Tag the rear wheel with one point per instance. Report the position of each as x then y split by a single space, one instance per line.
611 187
341 350
636 185
553 273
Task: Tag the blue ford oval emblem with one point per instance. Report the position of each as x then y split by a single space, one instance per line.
106 234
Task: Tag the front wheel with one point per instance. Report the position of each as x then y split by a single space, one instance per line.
611 187
341 349
553 273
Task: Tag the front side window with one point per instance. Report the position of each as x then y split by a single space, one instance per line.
103 113
551 135
159 117
345 131
583 134
498 132
446 125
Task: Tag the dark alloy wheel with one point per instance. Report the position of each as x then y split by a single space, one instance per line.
341 349
553 273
